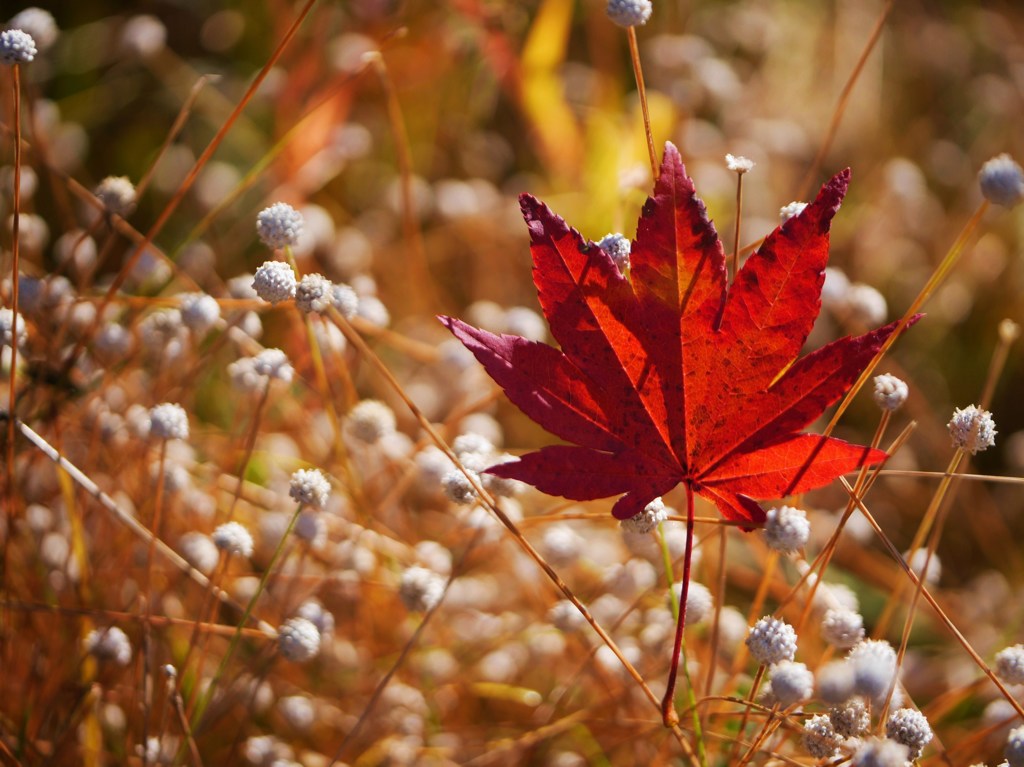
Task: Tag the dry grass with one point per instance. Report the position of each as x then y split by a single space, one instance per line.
404 133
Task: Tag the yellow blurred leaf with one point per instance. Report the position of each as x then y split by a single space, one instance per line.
543 98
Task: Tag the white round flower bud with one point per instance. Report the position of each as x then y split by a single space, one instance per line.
199 312
909 727
16 47
459 489
273 363
8 322
160 328
345 300
842 628
279 225
143 36
874 666
502 487
76 249
916 559
866 305
311 528
835 682
244 377
791 682
310 487
168 421
525 322
771 640
852 719
117 193
1010 664
274 282
645 521
699 601
561 545
233 538
434 556
820 739
834 288
1014 749
1002 181
298 640
200 551
298 711
265 750
472 443
314 294
315 613
109 643
738 164
972 430
370 420
113 342
618 248
372 310
890 392
786 529
629 13
565 617
420 589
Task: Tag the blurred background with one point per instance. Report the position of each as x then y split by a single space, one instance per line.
499 98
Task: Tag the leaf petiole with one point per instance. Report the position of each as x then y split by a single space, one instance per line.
668 708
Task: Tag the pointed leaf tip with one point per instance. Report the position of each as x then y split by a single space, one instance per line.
829 198
671 151
542 222
672 167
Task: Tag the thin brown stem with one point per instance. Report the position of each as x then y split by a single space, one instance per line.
172 134
148 663
925 526
771 723
641 89
250 445
736 234
179 711
751 696
420 277
15 266
1009 332
844 100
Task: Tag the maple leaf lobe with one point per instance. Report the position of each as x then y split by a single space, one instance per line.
672 376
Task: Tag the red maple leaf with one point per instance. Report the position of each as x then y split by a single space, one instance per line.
671 376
